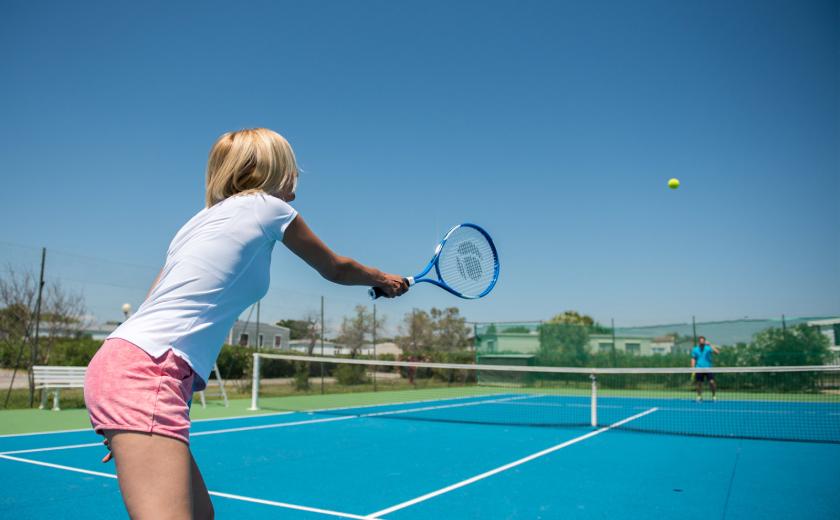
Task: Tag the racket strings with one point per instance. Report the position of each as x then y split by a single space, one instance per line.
467 262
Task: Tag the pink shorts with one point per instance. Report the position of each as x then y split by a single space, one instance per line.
127 389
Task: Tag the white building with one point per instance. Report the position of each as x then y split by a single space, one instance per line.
831 329
335 349
243 334
251 335
389 348
331 348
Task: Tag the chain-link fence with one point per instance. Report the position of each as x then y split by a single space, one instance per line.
83 298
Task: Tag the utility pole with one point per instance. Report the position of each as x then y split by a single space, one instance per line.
413 331
37 328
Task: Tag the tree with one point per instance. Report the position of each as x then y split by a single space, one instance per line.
308 328
355 330
575 318
301 378
297 328
491 331
799 345
417 333
439 330
62 316
449 329
563 344
18 292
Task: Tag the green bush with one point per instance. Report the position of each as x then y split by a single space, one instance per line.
235 361
274 368
350 375
301 380
73 352
9 354
56 352
563 345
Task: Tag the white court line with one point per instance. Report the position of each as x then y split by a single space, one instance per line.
289 424
418 401
58 466
273 414
356 416
506 467
54 448
734 410
284 505
711 409
575 405
272 426
685 398
236 417
501 400
212 432
7 435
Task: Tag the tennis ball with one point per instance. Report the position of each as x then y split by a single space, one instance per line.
674 183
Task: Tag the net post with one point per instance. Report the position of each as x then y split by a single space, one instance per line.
255 383
594 405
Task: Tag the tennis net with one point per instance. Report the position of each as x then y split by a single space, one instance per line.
772 403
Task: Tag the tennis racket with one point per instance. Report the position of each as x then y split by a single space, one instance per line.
465 262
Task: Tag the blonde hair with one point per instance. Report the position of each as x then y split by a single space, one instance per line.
251 160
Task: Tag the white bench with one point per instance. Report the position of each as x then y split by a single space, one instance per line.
54 379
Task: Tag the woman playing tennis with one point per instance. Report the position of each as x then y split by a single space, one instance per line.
140 382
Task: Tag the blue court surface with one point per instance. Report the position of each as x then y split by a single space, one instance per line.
473 457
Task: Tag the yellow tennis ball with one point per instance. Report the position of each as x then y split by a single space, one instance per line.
674 183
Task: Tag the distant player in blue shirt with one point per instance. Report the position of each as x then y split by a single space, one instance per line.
701 357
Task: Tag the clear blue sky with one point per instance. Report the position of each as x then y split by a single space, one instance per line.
555 125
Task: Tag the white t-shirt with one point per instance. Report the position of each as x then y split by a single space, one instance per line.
217 265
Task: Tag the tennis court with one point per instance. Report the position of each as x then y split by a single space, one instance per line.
480 451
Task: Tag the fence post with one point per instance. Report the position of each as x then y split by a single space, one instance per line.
694 330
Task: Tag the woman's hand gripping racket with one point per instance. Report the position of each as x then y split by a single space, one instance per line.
465 262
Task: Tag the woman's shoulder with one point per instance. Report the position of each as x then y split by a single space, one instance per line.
273 214
256 200
269 202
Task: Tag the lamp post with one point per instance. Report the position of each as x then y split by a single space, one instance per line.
126 309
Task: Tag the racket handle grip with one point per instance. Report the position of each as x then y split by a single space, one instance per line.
376 292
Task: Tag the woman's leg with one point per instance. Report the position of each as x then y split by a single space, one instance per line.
155 475
202 506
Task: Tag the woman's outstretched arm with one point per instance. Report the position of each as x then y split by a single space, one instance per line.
335 268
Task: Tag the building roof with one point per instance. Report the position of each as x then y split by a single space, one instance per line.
821 323
727 332
252 325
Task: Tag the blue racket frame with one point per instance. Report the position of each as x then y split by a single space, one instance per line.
375 292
